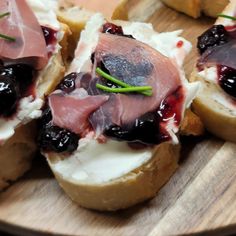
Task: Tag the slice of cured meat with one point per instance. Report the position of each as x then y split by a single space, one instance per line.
29 41
134 63
72 111
137 64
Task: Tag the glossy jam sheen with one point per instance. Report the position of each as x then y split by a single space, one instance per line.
150 129
49 35
227 79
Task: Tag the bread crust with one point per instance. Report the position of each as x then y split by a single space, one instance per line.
194 8
138 185
190 7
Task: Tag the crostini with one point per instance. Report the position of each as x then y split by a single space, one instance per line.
216 70
31 65
110 130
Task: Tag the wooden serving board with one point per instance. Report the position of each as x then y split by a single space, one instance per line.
199 198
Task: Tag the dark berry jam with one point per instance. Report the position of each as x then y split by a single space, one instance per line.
110 28
227 79
9 94
23 74
67 85
50 35
215 36
53 138
46 118
150 129
16 82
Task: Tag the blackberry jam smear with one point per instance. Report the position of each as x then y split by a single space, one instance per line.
67 85
151 128
15 83
9 93
50 36
215 36
227 79
111 28
54 138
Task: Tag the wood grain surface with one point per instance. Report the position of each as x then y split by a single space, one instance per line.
199 198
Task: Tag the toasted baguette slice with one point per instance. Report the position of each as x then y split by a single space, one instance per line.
194 8
138 185
87 181
17 152
217 118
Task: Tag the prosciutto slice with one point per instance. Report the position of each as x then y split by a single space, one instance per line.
72 111
129 60
221 55
137 64
24 27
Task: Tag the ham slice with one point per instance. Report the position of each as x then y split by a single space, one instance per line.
24 27
137 64
72 111
221 55
129 60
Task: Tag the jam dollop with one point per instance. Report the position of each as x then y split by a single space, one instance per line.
215 36
50 35
227 79
54 138
15 82
67 85
9 93
111 28
151 128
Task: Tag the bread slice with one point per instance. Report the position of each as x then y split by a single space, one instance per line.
194 8
18 151
138 185
143 180
217 118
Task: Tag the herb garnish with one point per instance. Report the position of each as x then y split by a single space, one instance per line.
3 36
125 88
5 14
228 17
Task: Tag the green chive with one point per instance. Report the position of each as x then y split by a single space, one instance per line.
125 90
6 37
5 14
121 83
228 17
